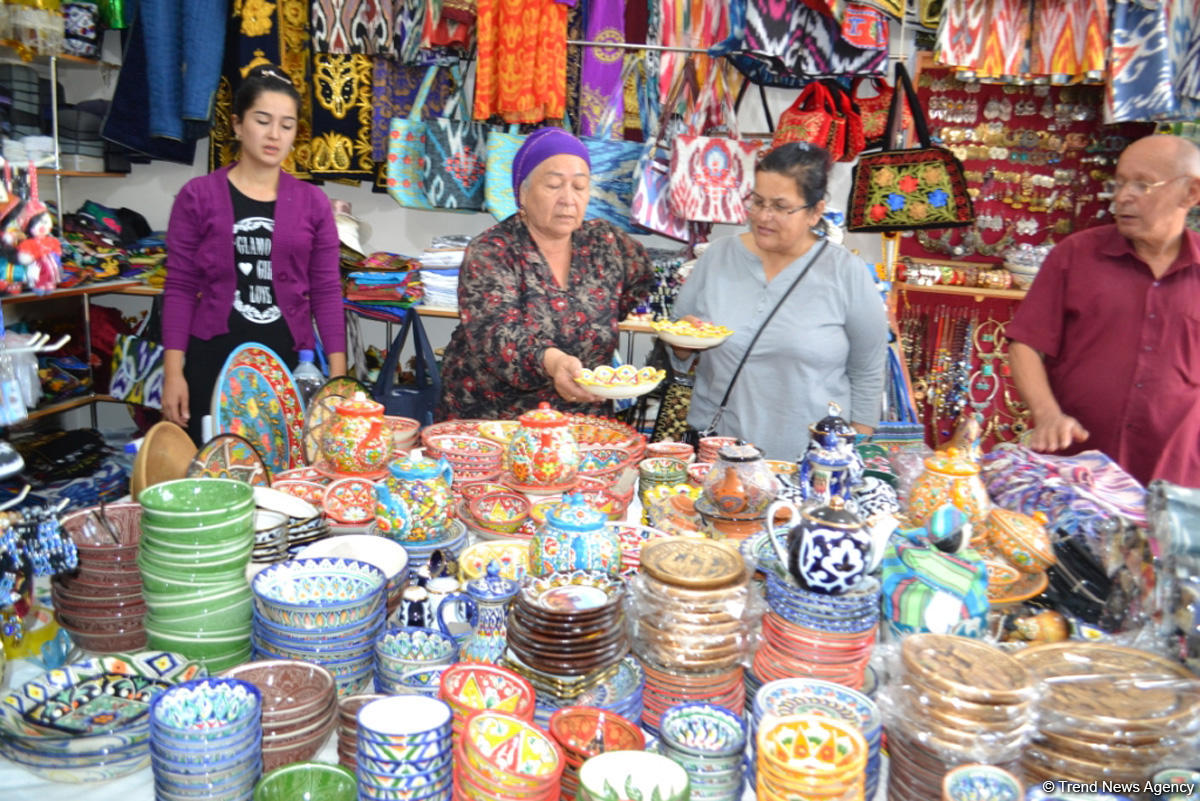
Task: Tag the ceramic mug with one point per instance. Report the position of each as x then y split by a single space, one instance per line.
451 606
417 608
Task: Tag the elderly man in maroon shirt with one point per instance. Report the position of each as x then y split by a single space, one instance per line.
1106 345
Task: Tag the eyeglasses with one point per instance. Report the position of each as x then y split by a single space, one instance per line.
1138 188
756 205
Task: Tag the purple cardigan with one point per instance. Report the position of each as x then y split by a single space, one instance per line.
202 278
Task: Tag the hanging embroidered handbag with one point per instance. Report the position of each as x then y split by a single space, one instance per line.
712 175
874 111
651 207
406 151
502 147
853 140
455 159
614 162
811 118
905 190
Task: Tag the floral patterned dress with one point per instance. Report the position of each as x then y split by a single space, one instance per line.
512 310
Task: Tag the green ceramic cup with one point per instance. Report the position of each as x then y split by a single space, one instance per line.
307 781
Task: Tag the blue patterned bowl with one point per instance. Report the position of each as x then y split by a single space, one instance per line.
318 593
201 709
801 696
977 782
701 728
403 720
413 646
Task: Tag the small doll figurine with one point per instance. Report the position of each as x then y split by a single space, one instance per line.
41 253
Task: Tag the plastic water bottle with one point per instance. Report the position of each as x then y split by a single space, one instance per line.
308 377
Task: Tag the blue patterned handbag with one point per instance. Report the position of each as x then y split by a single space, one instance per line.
502 147
614 162
406 151
455 159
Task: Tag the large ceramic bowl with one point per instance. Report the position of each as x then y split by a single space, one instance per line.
116 542
289 688
192 710
383 552
705 729
413 646
628 774
316 593
403 720
189 502
307 781
467 687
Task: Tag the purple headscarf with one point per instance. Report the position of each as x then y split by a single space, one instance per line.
540 145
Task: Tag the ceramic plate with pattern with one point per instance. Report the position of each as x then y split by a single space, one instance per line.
350 501
230 456
245 403
321 407
97 704
311 491
269 363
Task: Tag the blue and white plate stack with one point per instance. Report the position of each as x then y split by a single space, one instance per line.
620 693
709 741
815 697
328 611
410 660
405 750
206 740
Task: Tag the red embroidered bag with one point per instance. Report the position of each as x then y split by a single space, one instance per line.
812 118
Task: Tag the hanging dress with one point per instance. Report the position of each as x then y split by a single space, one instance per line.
521 72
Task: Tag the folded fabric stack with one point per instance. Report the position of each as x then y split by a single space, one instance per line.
389 284
441 288
79 143
439 270
102 243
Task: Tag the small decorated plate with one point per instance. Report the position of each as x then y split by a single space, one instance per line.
580 592
296 508
697 336
617 383
350 501
230 456
310 491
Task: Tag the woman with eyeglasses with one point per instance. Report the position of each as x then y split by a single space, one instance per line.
825 342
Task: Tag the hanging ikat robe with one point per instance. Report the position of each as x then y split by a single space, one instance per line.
521 72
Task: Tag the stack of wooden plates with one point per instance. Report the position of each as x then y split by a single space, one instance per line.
957 700
1109 713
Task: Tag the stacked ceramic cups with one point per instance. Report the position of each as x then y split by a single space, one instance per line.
205 740
197 535
708 741
410 659
327 611
404 749
501 757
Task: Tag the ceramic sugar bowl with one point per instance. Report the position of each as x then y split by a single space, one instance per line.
831 549
423 485
949 477
574 537
357 440
543 453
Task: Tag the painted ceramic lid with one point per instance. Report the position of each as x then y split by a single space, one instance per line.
832 423
742 452
359 406
951 462
543 417
834 514
1030 531
415 467
492 586
574 514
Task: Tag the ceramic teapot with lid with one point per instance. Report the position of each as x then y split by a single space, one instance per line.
830 550
740 483
543 452
949 477
574 537
490 595
356 440
423 486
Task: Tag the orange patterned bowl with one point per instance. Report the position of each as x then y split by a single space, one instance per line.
1022 540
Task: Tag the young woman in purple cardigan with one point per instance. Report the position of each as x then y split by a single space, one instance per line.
252 256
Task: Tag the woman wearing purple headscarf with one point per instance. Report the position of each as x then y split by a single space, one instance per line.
541 293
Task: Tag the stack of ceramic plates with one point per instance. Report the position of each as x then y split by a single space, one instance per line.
454 540
711 446
347 716
471 458
270 537
953 700
622 693
101 606
205 740
1109 712
814 697
501 757
386 554
306 522
405 433
585 731
667 688
567 632
197 535
328 611
470 687
299 707
87 721
811 758
632 774
813 634
407 659
708 741
404 749
633 537
691 598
